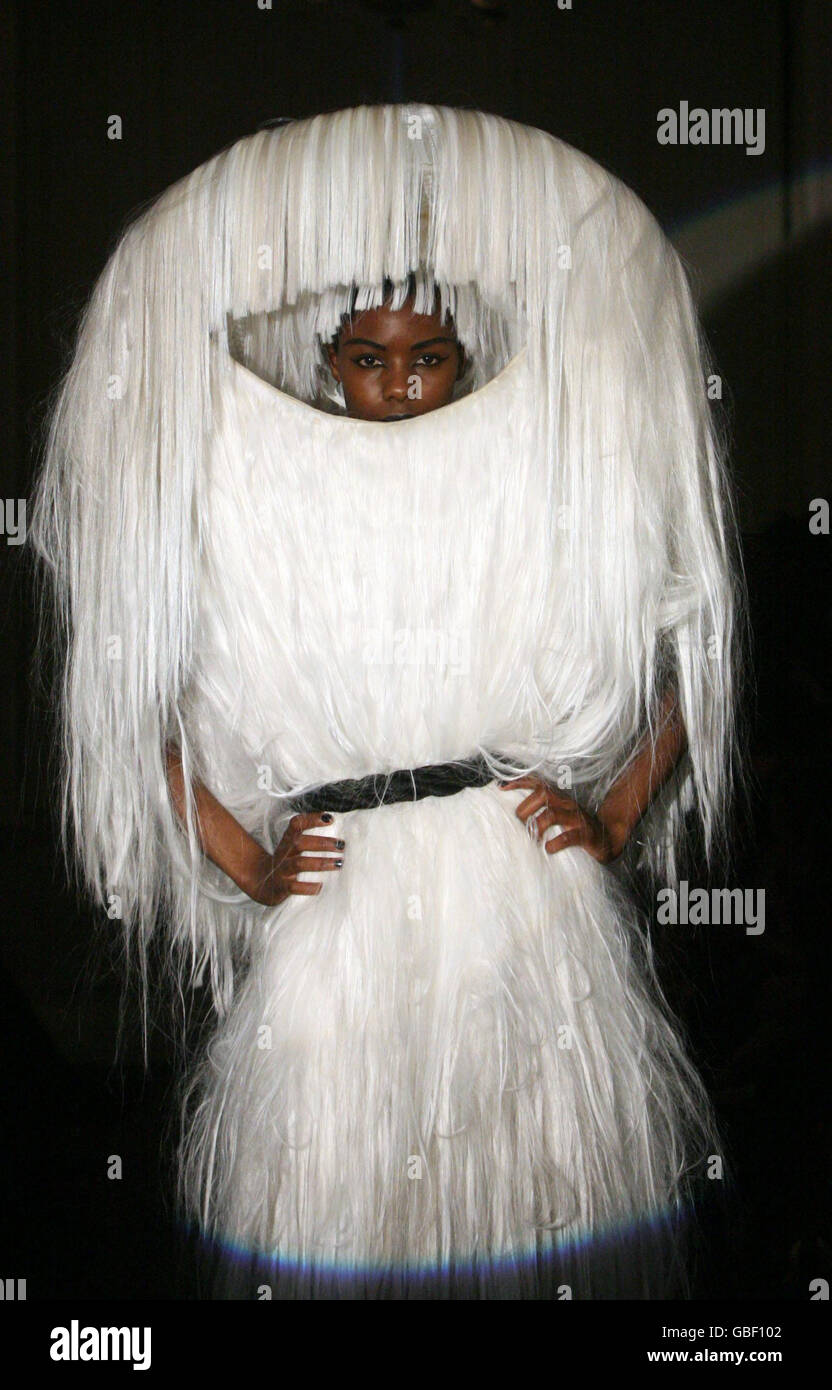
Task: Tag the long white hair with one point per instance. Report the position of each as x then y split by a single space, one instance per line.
264 246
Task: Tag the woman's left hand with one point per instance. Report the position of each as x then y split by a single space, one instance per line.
579 827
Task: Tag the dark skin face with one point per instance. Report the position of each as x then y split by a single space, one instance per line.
394 364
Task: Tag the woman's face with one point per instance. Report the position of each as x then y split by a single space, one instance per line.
394 364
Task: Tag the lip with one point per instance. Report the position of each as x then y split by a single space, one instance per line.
393 418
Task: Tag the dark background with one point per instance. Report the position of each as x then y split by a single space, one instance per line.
189 79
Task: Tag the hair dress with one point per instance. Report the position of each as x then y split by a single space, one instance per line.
454 1063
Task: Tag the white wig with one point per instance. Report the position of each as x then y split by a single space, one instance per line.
527 241
263 249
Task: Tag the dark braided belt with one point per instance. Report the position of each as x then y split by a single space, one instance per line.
406 784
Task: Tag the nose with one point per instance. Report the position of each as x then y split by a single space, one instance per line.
396 383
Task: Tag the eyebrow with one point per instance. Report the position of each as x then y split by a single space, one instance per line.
382 347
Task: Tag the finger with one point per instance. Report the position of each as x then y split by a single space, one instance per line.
307 889
554 795
569 819
302 863
307 841
306 820
561 798
307 863
532 803
566 840
528 781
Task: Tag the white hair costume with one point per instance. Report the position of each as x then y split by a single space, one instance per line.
455 1057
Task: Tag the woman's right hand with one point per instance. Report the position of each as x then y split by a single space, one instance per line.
274 876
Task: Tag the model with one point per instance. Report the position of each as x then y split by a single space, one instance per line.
295 635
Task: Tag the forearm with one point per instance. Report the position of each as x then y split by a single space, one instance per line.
629 798
222 838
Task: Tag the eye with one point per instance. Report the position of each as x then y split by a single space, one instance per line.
430 359
367 359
